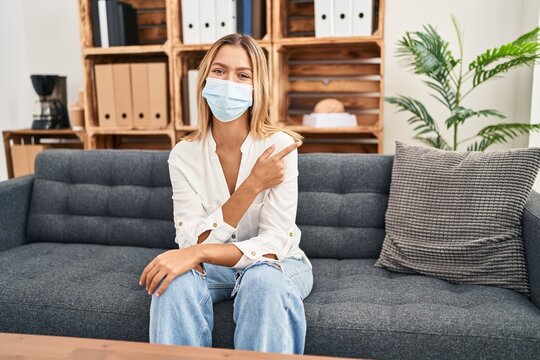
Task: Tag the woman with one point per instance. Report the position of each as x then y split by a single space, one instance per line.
235 193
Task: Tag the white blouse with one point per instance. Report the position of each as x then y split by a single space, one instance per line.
200 190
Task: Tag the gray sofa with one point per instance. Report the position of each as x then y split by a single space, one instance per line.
75 236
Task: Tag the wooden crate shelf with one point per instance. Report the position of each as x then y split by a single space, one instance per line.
54 138
303 70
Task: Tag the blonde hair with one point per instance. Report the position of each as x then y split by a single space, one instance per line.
259 113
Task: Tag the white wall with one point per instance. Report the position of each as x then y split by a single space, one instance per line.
36 37
43 37
485 24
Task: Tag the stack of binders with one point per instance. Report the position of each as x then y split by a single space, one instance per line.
114 23
343 18
132 95
205 21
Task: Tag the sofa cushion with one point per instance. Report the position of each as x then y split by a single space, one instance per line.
358 310
83 290
457 215
355 309
113 197
342 200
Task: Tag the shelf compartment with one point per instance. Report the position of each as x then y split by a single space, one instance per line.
340 143
177 34
350 73
118 139
296 19
152 24
91 101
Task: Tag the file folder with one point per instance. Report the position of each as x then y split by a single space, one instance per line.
207 20
190 22
157 89
103 23
225 17
324 18
105 95
193 77
362 17
342 17
122 95
140 93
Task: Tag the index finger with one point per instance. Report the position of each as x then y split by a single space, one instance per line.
280 155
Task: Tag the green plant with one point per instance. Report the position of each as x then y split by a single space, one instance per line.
428 55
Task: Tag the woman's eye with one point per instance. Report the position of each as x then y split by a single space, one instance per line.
218 71
244 76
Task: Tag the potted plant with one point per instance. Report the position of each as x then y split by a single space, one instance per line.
429 56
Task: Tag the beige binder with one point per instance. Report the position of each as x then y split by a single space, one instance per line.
105 95
157 88
140 94
24 157
122 96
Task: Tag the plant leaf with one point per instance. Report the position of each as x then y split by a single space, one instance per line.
501 133
424 122
525 50
460 114
429 55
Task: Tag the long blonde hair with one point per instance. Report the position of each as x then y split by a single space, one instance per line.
259 113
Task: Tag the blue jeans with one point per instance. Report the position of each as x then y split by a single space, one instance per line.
268 306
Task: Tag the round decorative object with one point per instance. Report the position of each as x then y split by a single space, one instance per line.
329 106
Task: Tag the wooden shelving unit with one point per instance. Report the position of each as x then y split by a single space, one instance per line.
303 70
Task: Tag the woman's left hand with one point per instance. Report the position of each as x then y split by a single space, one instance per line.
167 266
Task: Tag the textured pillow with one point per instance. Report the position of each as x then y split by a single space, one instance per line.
457 215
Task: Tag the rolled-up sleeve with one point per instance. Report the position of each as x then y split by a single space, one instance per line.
190 217
277 218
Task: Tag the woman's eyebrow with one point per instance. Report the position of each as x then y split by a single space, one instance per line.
225 66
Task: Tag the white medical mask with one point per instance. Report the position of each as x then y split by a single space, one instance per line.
227 99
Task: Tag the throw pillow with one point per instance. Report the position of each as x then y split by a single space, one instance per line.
457 215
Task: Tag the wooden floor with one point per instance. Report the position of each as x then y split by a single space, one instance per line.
25 346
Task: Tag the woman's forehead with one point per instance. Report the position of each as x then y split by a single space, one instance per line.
233 56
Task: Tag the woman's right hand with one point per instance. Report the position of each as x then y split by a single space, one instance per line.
269 171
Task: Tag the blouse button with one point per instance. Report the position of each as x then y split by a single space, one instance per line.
233 236
291 234
215 225
253 253
179 223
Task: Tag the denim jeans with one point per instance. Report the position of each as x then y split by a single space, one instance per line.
268 306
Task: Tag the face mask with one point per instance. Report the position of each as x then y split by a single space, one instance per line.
227 99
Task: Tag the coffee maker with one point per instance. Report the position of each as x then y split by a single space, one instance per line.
50 111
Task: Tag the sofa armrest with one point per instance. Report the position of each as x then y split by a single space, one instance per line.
14 206
531 238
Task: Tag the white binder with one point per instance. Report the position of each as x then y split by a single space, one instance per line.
324 18
225 17
193 77
103 27
207 20
190 22
342 17
362 17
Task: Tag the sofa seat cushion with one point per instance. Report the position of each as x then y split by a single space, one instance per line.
70 289
358 310
354 309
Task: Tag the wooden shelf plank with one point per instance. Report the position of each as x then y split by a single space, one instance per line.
45 132
111 131
311 41
333 130
124 50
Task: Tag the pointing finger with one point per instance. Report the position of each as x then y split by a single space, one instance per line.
280 155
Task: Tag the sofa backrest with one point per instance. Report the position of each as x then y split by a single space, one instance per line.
113 197
342 201
123 197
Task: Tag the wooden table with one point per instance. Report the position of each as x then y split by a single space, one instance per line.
25 346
